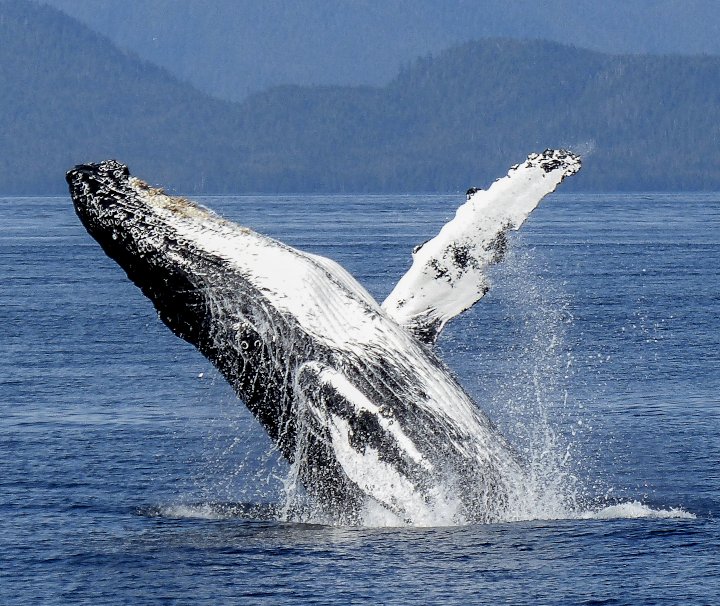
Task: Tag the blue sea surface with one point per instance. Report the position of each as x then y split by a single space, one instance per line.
130 473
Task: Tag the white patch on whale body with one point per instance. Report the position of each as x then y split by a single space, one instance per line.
384 484
375 477
302 285
361 404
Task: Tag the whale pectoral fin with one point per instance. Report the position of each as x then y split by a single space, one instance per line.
370 446
448 273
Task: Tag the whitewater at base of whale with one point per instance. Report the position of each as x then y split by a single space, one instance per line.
230 511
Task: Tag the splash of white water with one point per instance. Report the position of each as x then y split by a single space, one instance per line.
634 509
531 398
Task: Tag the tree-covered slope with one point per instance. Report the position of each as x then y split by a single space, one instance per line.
231 48
643 122
67 96
444 123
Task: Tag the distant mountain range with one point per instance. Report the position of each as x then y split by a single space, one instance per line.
231 48
444 123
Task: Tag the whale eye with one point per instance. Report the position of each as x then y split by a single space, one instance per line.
244 346
257 343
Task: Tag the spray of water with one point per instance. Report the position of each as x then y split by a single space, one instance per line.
533 394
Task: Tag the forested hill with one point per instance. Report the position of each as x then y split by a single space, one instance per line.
643 123
68 96
232 48
444 123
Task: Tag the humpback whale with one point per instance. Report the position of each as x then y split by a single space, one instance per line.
350 391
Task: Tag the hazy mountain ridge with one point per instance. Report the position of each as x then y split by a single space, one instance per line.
68 96
230 48
466 115
443 124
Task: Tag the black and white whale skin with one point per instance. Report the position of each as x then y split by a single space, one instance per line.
349 391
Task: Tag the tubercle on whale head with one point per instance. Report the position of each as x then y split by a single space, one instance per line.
108 168
107 188
96 179
102 196
119 212
107 183
100 193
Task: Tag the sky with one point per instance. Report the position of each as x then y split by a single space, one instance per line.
231 48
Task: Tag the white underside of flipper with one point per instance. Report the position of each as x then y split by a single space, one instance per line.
448 274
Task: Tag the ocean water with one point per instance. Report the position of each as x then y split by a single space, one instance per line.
130 474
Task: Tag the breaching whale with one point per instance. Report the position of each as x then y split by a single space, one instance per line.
350 391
